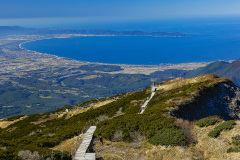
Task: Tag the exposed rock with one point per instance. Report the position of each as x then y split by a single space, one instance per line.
221 99
28 155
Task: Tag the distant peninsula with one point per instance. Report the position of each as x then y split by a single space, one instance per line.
5 30
132 33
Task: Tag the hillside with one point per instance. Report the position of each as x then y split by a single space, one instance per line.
166 128
44 90
211 68
224 69
33 82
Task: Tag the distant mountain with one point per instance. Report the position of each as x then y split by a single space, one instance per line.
4 30
222 68
22 30
131 33
211 68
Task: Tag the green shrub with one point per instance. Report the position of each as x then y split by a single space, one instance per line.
63 155
236 143
168 136
146 125
206 122
27 135
151 121
223 126
214 133
39 131
14 118
233 149
236 138
8 154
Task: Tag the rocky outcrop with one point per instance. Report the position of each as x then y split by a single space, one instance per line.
221 99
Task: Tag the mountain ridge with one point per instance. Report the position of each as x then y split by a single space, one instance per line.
21 30
221 68
117 117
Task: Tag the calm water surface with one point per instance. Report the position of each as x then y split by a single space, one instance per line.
212 40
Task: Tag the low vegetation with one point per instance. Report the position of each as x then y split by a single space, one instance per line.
14 118
117 120
154 118
39 132
235 143
168 136
205 122
228 125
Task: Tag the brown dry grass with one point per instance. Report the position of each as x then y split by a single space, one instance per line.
215 148
69 144
206 148
102 103
179 82
45 118
81 110
143 151
73 112
5 124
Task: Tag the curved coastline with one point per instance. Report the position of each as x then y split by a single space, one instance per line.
102 63
70 36
20 45
67 36
127 68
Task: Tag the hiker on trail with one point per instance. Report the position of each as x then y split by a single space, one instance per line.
101 139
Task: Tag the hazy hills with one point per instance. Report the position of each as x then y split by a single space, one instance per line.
222 68
33 82
5 30
124 130
211 68
44 90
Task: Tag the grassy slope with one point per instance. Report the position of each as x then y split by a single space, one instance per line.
43 131
206 147
29 95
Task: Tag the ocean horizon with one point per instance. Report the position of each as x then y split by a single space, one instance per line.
211 41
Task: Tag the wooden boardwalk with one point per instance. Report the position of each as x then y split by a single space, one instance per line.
144 106
81 152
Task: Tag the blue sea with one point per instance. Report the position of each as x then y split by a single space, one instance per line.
214 39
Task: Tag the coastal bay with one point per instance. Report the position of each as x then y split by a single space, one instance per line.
40 82
33 81
140 50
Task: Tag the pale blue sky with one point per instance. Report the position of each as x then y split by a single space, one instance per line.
58 13
117 9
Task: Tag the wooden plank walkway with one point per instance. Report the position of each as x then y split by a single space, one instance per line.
144 106
81 152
